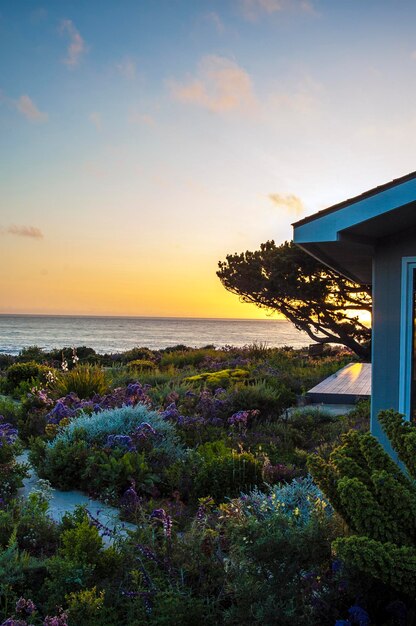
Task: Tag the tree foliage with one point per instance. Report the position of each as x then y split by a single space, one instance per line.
315 298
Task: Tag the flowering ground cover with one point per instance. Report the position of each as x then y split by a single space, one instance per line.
230 527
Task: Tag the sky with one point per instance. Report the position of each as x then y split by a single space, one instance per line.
142 141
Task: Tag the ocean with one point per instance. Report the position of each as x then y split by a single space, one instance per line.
117 334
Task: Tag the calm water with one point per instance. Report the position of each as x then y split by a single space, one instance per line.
116 334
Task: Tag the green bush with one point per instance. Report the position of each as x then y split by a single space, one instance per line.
138 353
269 401
30 373
218 471
32 418
377 500
73 567
32 353
84 380
280 572
142 365
191 357
63 464
222 378
10 409
86 607
109 475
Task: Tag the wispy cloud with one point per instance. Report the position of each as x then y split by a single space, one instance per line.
137 117
213 18
24 231
253 10
290 203
76 47
127 68
219 85
29 110
95 118
300 98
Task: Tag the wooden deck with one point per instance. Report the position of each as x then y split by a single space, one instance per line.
349 384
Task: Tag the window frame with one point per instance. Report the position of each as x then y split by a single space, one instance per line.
406 335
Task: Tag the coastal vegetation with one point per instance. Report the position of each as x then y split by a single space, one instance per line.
244 510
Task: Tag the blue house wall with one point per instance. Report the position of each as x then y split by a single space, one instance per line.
387 311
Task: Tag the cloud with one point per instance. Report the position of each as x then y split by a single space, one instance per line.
127 68
24 231
77 46
252 10
216 21
136 117
29 110
291 203
220 85
301 98
95 118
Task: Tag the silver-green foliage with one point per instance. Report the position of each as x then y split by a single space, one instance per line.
121 421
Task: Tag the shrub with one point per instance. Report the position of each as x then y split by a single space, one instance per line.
269 401
10 409
82 544
85 607
377 500
30 373
222 378
298 500
280 563
32 353
84 380
120 421
37 533
138 353
316 427
11 472
221 472
142 365
110 475
184 357
32 419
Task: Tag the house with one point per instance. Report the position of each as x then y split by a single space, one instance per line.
371 239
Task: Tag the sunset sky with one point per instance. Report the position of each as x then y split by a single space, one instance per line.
142 141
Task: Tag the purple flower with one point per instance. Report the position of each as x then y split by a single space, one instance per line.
120 441
130 500
241 418
8 434
25 606
171 412
57 620
160 514
147 552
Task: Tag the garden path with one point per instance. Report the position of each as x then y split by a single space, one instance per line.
66 501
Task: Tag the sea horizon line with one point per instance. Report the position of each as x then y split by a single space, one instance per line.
145 317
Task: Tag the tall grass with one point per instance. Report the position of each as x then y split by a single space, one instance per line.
84 380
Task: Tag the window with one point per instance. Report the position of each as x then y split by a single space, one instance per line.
407 391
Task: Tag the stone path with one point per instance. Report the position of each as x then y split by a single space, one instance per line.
66 501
